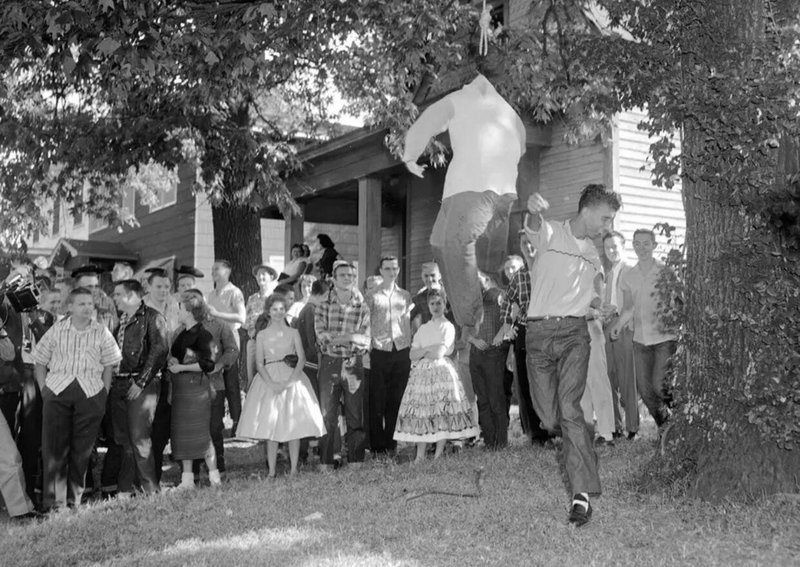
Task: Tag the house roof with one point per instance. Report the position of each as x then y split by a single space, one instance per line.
90 249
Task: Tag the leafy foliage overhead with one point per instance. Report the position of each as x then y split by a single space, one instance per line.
90 89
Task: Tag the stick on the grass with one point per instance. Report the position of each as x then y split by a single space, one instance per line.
479 473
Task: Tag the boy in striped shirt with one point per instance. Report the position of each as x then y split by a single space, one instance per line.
74 362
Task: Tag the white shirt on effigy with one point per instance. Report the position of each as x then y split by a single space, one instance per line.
562 279
486 134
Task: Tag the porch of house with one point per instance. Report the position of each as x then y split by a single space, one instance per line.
354 190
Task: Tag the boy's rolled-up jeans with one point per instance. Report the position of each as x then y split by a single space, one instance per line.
470 233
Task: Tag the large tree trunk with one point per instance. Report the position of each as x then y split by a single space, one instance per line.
237 238
732 435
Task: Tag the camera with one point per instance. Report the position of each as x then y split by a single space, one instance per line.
22 295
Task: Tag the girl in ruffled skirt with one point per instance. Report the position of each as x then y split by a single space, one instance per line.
435 407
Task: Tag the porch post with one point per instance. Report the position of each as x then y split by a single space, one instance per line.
369 226
293 232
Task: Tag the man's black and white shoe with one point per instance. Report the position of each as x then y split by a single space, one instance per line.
580 513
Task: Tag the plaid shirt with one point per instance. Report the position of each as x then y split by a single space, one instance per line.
331 319
517 293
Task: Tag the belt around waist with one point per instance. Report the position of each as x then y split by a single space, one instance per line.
555 318
126 375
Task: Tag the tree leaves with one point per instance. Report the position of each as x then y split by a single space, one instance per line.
108 45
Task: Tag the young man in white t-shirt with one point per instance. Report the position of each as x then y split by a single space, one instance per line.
568 276
653 345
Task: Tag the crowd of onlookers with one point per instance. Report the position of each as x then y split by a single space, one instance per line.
331 364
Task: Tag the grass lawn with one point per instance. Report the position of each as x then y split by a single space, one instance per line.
361 517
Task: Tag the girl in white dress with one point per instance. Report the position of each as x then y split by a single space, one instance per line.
435 407
281 405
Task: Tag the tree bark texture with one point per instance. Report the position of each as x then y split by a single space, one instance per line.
237 238
729 365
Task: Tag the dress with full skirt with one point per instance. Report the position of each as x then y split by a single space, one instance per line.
284 414
435 405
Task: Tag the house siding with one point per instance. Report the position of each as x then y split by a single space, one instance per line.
564 170
203 249
644 204
424 201
167 232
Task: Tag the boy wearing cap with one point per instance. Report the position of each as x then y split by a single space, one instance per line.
186 278
226 304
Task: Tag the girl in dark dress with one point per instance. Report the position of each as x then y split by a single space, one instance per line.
329 256
192 358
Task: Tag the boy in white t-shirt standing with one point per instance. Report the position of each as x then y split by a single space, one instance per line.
568 276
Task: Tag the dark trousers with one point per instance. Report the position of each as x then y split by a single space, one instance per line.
70 425
29 438
233 392
653 364
161 426
132 422
112 462
487 368
9 402
387 381
338 379
621 375
558 360
217 427
531 424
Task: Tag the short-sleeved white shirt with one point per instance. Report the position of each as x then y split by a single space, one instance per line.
647 329
562 279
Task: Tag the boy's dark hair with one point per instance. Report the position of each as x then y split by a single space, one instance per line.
387 259
157 273
320 287
614 234
223 262
598 194
645 231
131 286
78 291
283 289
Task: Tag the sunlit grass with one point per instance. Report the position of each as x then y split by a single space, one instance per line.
360 517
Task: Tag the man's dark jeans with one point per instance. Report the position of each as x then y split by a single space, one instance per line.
558 360
133 425
70 425
233 392
529 419
161 426
387 381
653 364
339 379
487 368
29 438
9 403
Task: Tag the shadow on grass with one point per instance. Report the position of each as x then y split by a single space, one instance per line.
359 517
